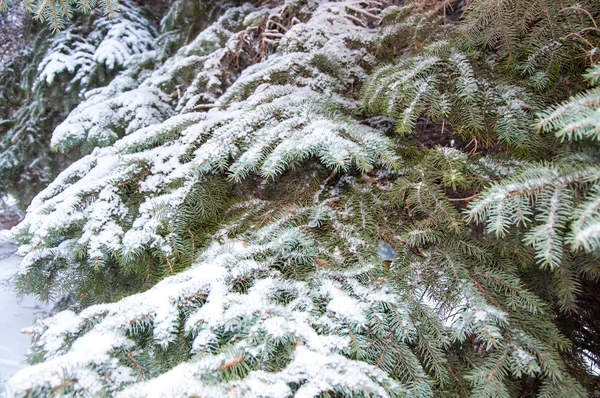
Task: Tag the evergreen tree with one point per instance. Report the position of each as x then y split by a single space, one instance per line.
48 79
554 204
57 12
294 198
545 40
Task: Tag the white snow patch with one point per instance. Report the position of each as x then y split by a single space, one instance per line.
16 313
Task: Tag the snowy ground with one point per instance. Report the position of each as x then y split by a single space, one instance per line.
16 313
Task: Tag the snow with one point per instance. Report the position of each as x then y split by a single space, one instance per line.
16 313
111 43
